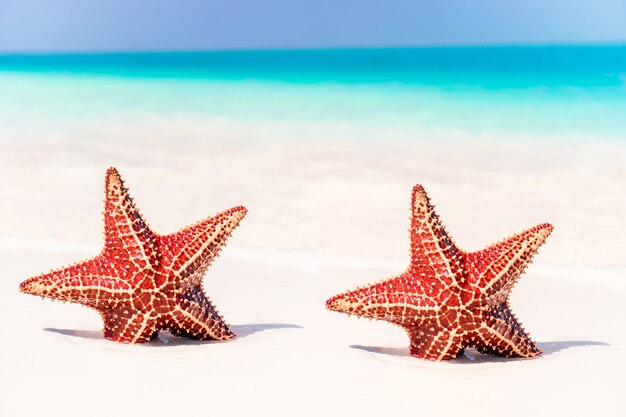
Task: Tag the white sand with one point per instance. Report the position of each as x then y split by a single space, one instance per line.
328 210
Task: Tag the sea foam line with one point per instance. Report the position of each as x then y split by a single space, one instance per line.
313 262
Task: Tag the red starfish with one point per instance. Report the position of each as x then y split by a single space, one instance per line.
449 299
143 282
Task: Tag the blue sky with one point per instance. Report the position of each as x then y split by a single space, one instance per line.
109 25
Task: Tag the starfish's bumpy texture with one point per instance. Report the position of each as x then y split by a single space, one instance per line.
449 299
143 282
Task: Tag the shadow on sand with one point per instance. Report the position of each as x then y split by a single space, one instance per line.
167 339
85 334
473 356
244 330
551 347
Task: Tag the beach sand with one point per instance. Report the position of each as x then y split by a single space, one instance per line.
328 210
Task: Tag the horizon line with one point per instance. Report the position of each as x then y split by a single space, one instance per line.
612 43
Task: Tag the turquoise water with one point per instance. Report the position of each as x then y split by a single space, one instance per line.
553 89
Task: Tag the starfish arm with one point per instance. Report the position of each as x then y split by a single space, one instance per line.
431 341
495 269
190 251
195 316
501 334
122 324
435 259
93 283
398 300
127 237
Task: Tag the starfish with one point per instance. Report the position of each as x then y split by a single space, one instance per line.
143 282
449 299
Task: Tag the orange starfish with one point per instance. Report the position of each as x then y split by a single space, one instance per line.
143 282
449 299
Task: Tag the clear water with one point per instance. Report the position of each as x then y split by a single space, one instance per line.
539 89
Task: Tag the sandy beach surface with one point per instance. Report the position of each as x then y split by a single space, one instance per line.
328 210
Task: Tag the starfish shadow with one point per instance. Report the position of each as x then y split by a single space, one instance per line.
85 334
243 330
163 338
167 339
549 348
472 356
391 351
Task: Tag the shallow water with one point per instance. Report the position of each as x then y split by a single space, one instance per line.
548 89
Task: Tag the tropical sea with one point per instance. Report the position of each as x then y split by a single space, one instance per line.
306 123
534 89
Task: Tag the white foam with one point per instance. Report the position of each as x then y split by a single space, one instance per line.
311 261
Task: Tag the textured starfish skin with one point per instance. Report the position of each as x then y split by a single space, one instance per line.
449 299
143 282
